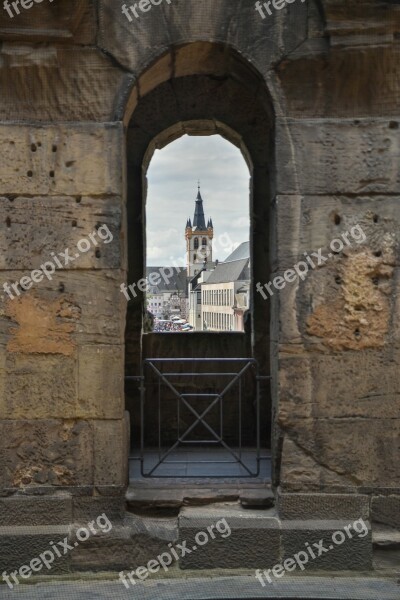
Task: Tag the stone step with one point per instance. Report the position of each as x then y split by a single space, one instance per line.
259 539
36 510
167 497
20 544
386 537
386 549
236 537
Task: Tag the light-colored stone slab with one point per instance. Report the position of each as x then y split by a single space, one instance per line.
56 160
40 227
316 156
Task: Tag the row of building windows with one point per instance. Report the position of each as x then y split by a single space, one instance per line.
220 321
218 297
203 243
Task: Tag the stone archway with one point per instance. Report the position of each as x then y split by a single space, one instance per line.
212 91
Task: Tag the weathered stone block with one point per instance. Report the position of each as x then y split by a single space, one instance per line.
386 510
20 544
318 157
323 506
46 452
87 508
24 69
126 546
55 317
28 510
309 223
320 72
332 386
39 387
254 537
340 454
128 41
344 306
344 301
342 550
41 22
101 381
74 160
111 446
39 228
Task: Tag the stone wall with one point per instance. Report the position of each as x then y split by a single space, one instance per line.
326 78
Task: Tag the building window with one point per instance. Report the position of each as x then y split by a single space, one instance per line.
196 243
204 242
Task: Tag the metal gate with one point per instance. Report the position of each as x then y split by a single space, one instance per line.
211 392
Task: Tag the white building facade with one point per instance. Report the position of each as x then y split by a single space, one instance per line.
225 296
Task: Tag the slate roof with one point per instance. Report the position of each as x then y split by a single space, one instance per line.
177 281
199 221
237 270
242 251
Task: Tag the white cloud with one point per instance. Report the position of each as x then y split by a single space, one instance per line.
172 190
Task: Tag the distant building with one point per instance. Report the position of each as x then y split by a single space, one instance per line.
170 298
198 240
195 300
210 296
225 295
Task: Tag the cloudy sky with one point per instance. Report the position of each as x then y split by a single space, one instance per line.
172 190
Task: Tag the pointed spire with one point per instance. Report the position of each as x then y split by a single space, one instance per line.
211 224
199 220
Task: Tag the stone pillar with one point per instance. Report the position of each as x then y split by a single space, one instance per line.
63 431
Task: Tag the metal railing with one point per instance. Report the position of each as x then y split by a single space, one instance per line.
225 383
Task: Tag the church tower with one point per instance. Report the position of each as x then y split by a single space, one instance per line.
198 239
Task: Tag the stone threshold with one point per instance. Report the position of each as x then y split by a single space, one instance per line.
174 494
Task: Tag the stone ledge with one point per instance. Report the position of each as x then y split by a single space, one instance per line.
126 546
168 496
353 553
254 537
20 544
323 506
386 510
28 510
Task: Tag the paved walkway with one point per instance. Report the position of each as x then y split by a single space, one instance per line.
221 588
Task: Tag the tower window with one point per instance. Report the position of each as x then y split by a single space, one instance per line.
204 242
196 243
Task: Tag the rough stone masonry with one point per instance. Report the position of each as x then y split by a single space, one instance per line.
310 95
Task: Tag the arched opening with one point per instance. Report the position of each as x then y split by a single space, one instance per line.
211 91
197 236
